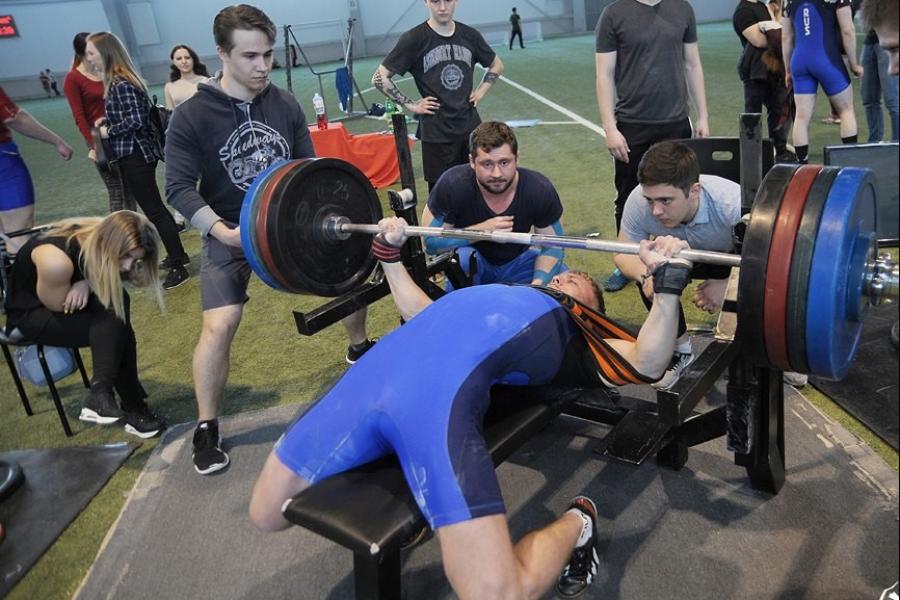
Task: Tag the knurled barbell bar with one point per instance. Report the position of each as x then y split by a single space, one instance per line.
811 229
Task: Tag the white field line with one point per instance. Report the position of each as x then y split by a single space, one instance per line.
576 118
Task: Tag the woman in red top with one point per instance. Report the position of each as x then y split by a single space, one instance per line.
84 91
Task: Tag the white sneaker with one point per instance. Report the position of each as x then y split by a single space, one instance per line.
798 380
680 362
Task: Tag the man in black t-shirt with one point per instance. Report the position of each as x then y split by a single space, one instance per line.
759 33
492 193
441 55
515 22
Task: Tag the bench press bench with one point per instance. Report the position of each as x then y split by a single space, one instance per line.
370 510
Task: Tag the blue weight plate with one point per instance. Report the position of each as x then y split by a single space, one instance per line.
844 242
798 284
755 260
247 221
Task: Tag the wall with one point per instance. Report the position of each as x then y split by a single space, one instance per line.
45 41
47 28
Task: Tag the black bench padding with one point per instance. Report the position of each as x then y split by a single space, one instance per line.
370 509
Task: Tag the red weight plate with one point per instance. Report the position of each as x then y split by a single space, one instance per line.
262 233
801 259
778 269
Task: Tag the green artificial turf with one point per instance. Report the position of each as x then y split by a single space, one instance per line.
271 363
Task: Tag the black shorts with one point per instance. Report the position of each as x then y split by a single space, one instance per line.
437 157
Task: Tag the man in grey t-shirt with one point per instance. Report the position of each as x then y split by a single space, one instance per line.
674 199
648 65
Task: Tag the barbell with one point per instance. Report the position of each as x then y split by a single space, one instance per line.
808 266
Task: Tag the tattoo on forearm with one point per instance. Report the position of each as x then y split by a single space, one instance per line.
387 87
490 77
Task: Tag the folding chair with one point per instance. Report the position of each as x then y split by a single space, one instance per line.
17 338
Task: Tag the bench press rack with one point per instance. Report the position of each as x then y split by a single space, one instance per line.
370 510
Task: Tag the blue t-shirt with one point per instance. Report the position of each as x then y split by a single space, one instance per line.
456 199
710 229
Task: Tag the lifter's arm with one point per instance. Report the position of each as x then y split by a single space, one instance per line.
409 297
651 353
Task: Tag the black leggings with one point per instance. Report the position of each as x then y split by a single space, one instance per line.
119 198
139 178
111 340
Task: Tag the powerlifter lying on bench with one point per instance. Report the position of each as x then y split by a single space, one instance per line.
430 412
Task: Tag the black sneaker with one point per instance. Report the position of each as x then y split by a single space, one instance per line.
354 353
175 277
101 408
680 362
208 455
583 564
173 263
143 424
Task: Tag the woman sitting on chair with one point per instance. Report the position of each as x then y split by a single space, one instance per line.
66 289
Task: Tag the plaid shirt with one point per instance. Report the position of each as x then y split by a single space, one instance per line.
128 121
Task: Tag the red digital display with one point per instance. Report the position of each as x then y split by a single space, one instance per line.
8 27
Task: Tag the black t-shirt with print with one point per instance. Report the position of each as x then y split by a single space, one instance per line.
442 67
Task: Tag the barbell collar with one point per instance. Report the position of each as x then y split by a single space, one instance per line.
338 227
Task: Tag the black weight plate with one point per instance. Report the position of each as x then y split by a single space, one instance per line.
801 259
300 204
755 259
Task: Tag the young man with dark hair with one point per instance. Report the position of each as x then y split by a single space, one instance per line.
648 68
493 193
441 54
495 334
674 199
223 137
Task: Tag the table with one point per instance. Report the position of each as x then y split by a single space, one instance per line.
372 153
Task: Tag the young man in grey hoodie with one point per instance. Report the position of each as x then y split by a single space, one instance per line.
232 129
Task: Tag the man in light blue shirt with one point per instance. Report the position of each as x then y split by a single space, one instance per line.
674 199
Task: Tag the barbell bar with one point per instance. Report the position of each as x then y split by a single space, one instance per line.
808 267
338 227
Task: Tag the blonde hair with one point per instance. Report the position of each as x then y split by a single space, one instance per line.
116 61
103 243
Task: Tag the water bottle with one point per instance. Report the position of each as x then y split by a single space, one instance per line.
319 106
389 107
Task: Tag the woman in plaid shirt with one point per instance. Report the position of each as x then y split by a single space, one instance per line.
127 126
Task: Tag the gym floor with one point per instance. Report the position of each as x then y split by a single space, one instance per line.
271 363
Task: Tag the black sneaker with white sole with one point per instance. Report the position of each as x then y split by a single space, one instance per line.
172 263
175 277
354 353
208 455
101 408
584 562
143 424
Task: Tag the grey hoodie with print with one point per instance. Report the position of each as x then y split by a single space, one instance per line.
224 143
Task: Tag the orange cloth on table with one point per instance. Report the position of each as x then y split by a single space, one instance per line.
372 153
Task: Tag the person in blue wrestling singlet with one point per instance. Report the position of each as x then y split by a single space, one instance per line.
466 342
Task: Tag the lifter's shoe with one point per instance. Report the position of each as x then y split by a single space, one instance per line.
354 353
101 408
143 423
584 562
208 455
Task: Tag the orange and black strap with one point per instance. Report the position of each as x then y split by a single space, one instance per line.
597 328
